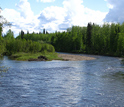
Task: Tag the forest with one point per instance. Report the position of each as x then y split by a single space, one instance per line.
106 39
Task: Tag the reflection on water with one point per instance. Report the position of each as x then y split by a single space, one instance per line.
95 83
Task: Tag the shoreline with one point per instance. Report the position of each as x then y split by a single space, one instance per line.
68 57
49 57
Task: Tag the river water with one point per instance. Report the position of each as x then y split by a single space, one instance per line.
93 83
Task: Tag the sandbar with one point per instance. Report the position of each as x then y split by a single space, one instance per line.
68 57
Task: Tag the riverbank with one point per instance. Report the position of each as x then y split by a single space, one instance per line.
47 56
68 57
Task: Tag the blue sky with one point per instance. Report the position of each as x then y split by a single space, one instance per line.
34 15
36 6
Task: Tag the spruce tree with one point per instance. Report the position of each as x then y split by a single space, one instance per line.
88 36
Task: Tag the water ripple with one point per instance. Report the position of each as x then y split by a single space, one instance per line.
96 83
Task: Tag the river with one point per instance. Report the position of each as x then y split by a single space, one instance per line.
92 83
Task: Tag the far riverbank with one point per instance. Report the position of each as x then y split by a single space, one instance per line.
68 57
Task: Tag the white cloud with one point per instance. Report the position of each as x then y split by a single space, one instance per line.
72 13
11 15
0 10
109 5
46 1
116 13
25 10
52 18
22 20
81 15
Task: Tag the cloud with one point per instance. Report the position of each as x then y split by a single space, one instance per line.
116 11
25 9
81 15
52 18
46 1
23 19
72 13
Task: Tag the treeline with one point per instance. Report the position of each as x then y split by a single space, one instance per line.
10 45
106 39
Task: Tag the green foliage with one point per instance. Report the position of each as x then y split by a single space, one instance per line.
22 34
9 35
0 30
70 41
9 45
45 38
120 45
44 31
26 56
107 39
2 47
13 46
89 36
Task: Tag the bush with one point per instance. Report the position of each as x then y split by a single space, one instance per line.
13 46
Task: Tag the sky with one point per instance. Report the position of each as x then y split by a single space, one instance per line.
58 15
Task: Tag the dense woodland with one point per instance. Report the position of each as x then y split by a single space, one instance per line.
107 39
10 45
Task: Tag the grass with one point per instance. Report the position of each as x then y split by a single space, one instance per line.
21 56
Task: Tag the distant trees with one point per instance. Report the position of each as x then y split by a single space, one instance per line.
32 43
0 30
22 34
14 46
89 36
107 39
44 32
3 22
9 35
70 41
47 32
